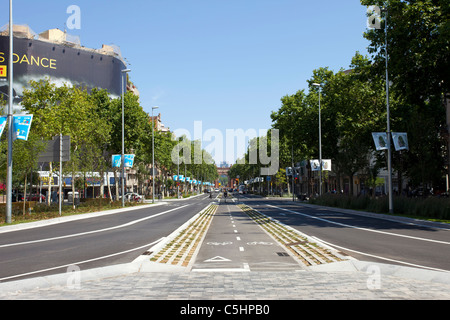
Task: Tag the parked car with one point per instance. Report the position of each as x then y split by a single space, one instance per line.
36 197
17 197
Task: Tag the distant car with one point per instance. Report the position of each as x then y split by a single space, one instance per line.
131 196
216 190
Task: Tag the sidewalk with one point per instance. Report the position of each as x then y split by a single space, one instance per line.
144 279
149 280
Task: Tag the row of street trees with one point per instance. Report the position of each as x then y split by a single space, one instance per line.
353 102
93 120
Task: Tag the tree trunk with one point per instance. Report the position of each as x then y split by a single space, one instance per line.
73 188
50 178
116 181
25 194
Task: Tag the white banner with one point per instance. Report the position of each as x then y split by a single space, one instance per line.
400 141
380 139
315 165
326 165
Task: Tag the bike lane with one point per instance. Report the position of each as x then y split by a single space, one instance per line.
234 242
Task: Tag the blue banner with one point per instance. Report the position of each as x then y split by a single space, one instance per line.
2 124
129 160
21 126
117 160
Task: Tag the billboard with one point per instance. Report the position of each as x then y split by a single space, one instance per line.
37 59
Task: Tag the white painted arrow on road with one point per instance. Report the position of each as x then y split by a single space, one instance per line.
217 259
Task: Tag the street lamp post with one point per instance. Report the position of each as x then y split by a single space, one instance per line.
320 138
124 72
10 119
153 156
389 145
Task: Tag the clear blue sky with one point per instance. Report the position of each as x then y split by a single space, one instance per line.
224 62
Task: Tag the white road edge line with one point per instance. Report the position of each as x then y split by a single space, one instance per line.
359 228
90 232
382 258
82 262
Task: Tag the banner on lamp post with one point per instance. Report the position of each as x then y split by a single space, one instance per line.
400 141
315 165
116 161
3 120
326 165
128 160
22 126
380 140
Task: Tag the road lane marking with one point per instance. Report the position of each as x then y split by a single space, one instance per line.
91 232
261 243
81 262
219 243
379 257
218 259
359 228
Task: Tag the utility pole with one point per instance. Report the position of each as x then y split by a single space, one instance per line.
10 119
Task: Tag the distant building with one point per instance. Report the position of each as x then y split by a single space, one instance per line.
159 126
224 164
56 55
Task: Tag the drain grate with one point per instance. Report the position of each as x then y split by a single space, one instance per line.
283 254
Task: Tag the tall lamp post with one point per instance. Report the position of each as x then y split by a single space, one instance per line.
124 72
389 145
153 156
320 138
10 119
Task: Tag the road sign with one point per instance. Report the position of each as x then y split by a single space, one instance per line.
52 150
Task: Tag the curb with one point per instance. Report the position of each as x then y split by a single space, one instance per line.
81 216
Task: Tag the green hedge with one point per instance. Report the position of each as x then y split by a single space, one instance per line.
429 208
43 211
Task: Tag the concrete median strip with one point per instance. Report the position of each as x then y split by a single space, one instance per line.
308 252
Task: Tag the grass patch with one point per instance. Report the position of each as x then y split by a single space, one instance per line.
44 212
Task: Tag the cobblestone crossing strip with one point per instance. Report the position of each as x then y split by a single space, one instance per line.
180 250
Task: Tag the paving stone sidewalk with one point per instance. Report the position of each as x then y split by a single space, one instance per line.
147 280
299 285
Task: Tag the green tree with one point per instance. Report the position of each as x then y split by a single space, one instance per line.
419 60
68 111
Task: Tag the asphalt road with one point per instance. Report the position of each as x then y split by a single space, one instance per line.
232 242
235 243
91 243
364 238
